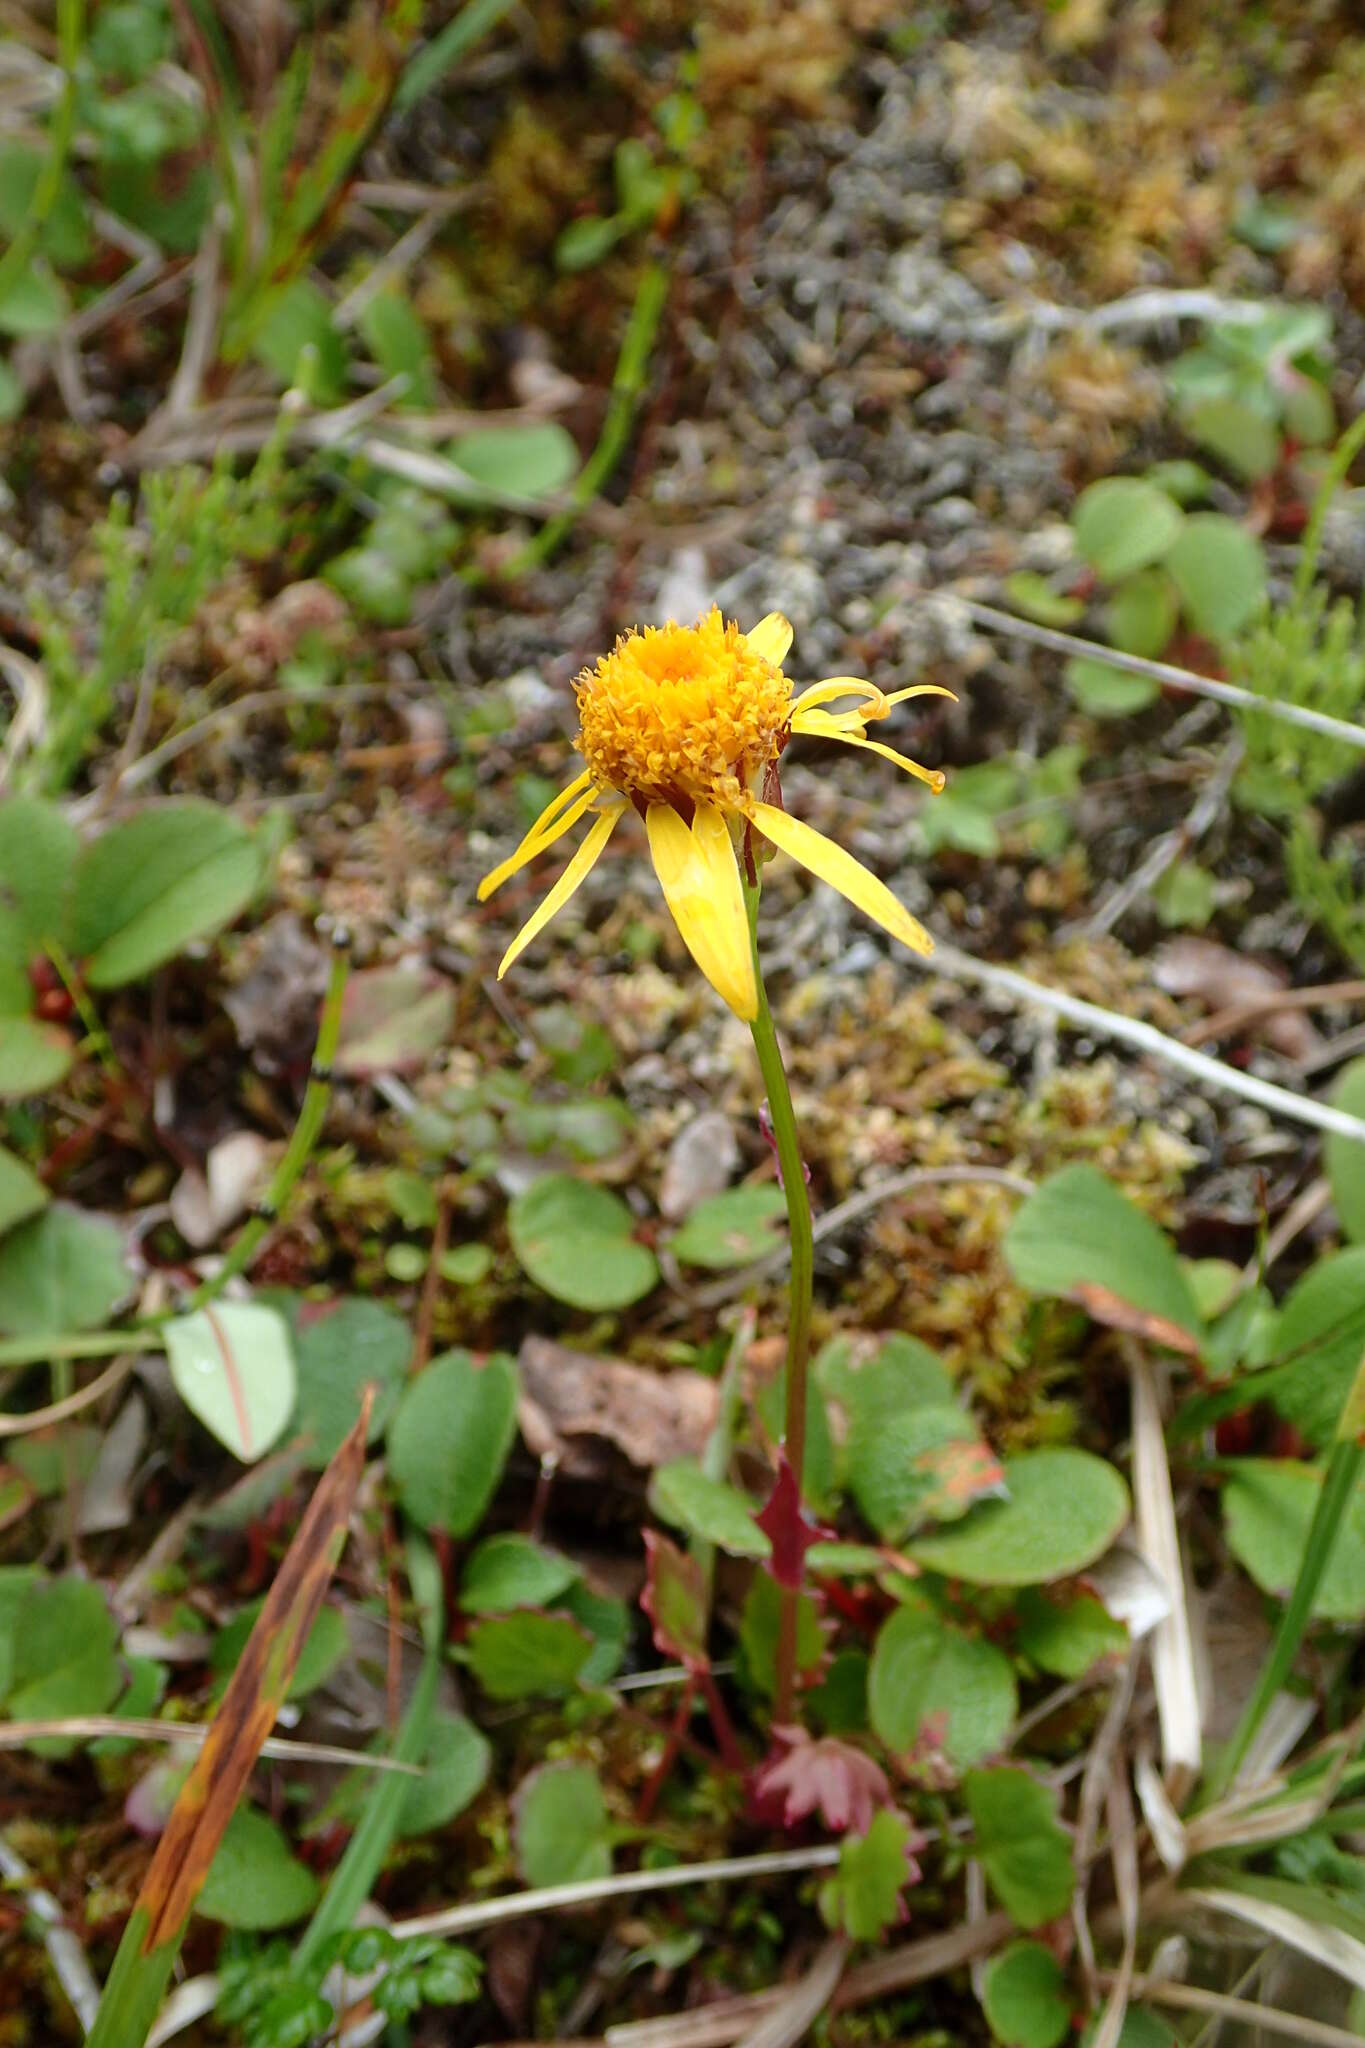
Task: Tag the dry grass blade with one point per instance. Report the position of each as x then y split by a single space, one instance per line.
245 1717
1338 1952
1193 1998
1172 1649
1123 1847
135 1728
800 2007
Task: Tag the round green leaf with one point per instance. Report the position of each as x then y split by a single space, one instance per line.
1320 1336
515 462
456 1765
1141 615
1064 1509
1025 1997
1345 1157
1268 1505
62 1270
22 1194
926 1674
1036 598
254 1880
145 889
449 1440
233 1367
38 849
1122 524
33 1056
342 1346
574 1240
560 1825
327 1642
1069 1636
1078 1233
1219 570
732 1229
1025 1852
891 1470
1106 692
510 1570
527 1655
63 1648
1238 434
681 1493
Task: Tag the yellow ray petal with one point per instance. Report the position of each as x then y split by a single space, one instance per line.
771 638
935 777
843 686
562 811
699 876
921 690
833 865
582 864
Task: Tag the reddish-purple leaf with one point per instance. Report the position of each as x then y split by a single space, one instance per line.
788 1528
826 1776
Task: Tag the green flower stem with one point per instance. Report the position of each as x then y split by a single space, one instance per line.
1344 1468
146 1332
802 1287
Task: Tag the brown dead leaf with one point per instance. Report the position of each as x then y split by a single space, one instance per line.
1224 980
573 1405
253 1698
1102 1305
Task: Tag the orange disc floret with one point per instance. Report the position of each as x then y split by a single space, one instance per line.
682 712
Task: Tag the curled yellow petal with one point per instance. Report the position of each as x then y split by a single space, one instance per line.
771 638
843 686
821 725
921 690
563 810
837 867
699 876
582 864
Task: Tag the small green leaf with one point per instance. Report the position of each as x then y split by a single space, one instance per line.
527 1655
397 338
1122 524
575 1241
1067 1637
1064 1508
373 585
560 1825
681 1493
33 1056
509 1570
732 1229
38 849
758 1635
515 462
145 889
62 1270
233 1367
1268 1506
1189 483
1107 692
1036 598
36 303
1141 616
449 1440
298 343
1219 570
1025 1999
63 1657
1240 435
1345 1157
1024 1851
456 1765
22 1194
872 1382
928 1680
891 1467
863 1898
341 1346
587 240
254 1880
1320 1336
1186 896
1079 1237
328 1642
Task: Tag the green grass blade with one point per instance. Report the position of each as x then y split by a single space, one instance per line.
431 63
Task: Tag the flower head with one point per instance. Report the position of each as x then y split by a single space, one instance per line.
688 724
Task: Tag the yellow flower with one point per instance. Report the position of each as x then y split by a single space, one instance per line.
687 723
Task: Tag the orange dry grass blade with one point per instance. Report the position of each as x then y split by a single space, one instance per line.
244 1719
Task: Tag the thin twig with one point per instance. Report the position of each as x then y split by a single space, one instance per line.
595 1891
1281 1102
1269 1004
1163 672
